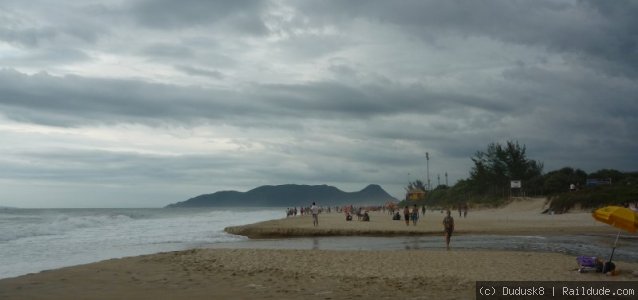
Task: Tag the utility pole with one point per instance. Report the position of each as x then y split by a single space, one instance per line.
446 179
427 162
438 180
408 188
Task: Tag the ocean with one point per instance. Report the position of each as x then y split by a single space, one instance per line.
33 240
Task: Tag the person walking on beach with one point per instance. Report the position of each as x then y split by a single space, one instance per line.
415 215
448 225
406 215
315 214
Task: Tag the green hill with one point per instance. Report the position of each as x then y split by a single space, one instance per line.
289 195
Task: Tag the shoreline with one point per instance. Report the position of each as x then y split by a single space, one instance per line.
249 273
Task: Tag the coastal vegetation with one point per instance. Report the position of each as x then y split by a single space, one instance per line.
490 183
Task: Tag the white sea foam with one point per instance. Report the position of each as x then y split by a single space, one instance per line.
36 240
54 226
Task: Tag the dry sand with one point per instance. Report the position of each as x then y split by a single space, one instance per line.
320 274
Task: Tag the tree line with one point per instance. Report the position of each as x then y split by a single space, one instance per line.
489 182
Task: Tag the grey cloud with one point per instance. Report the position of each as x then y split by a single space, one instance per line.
582 110
168 50
51 57
603 31
302 47
616 38
54 25
200 72
586 93
129 168
27 37
192 53
342 70
341 100
108 167
73 100
168 14
55 56
337 92
249 23
15 30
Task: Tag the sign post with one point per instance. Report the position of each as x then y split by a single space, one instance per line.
515 184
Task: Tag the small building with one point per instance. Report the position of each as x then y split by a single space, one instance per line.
415 195
598 181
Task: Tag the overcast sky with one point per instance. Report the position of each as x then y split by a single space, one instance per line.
145 103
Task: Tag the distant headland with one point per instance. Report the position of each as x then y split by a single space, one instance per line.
288 195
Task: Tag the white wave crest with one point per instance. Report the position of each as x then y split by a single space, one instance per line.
59 225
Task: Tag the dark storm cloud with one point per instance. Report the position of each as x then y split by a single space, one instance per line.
584 93
616 39
340 100
74 100
602 34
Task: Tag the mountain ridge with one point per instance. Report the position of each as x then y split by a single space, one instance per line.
289 195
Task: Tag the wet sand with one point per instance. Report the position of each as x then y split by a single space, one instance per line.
297 274
327 274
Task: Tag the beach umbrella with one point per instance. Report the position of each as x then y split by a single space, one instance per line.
618 217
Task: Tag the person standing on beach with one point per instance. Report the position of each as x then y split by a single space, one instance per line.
415 215
448 225
315 214
406 215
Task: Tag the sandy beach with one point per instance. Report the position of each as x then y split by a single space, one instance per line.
518 217
296 274
323 274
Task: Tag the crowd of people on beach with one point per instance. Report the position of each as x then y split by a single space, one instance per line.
410 214
359 211
313 210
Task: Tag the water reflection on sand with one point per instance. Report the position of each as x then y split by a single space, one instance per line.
594 245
